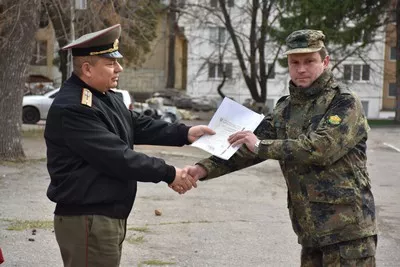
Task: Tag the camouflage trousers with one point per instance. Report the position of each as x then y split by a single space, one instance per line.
354 253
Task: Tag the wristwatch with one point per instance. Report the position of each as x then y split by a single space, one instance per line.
257 147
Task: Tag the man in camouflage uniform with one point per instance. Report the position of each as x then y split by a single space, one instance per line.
318 133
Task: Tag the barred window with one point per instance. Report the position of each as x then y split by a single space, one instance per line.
217 34
356 72
215 3
392 89
216 70
39 56
393 53
267 66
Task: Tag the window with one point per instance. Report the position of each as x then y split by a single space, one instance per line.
365 105
392 89
270 104
356 72
272 74
393 16
217 34
365 73
347 72
43 18
216 70
358 36
181 3
392 53
215 3
80 4
178 3
40 53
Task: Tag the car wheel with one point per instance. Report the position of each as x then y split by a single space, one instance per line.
30 115
150 113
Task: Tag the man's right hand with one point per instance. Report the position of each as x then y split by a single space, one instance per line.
196 171
183 181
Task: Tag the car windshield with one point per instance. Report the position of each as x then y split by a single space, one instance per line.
38 90
43 91
51 92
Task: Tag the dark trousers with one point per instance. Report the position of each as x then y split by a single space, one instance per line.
354 253
90 240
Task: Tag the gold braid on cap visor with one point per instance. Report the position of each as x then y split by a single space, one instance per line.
110 50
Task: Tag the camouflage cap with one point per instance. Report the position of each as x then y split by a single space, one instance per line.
101 43
304 41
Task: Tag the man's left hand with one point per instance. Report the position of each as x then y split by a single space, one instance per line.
244 137
195 132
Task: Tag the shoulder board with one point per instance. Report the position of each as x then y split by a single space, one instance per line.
343 88
86 97
283 98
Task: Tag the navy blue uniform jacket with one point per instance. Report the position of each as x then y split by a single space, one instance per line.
90 157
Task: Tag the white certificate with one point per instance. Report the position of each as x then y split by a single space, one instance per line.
229 118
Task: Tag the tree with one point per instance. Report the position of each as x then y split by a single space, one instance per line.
397 107
246 23
57 13
225 72
172 23
259 24
258 30
18 24
19 21
349 26
138 19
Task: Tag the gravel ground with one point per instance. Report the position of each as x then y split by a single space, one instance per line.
237 220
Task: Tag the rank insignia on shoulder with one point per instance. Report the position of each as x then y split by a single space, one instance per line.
86 97
335 120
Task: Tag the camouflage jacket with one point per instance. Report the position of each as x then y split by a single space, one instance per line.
319 136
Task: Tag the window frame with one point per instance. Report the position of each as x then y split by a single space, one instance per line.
215 37
215 3
391 53
356 72
39 59
389 89
215 70
273 73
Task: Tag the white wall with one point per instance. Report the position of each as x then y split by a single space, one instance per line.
201 49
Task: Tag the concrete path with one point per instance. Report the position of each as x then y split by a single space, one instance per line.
238 220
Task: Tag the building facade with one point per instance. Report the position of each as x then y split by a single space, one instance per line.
151 75
389 81
143 80
45 54
211 54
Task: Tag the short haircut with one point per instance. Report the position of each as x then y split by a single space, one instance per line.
78 62
323 53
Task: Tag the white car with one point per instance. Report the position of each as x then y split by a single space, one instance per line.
36 107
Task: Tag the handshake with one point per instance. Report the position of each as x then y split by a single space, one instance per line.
186 178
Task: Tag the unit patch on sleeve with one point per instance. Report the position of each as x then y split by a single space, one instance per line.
334 120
